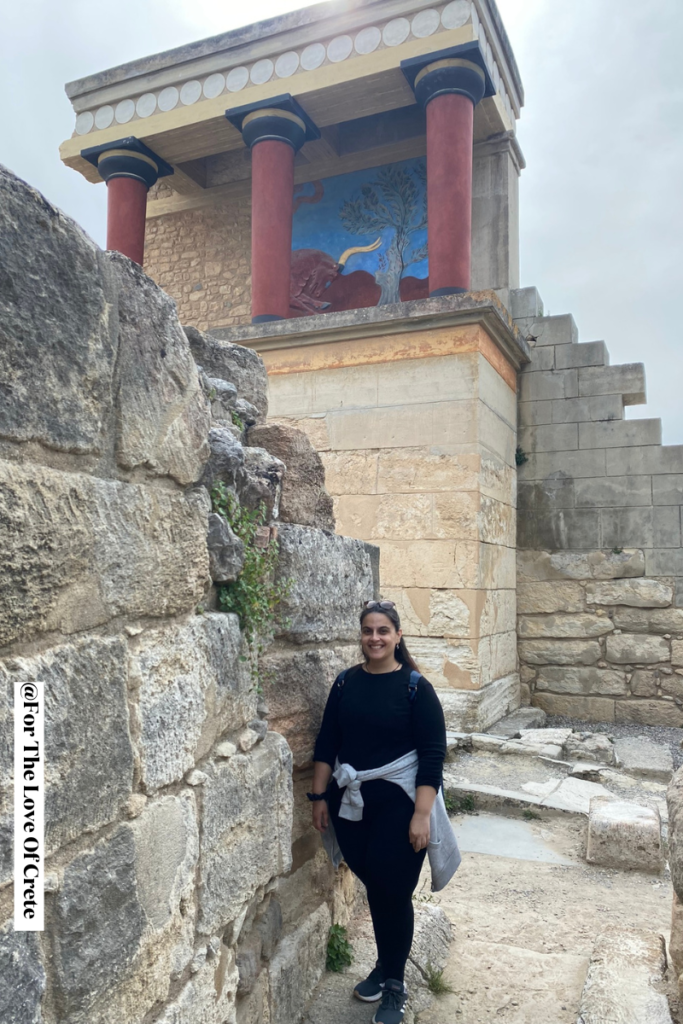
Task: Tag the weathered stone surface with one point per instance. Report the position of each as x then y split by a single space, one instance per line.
22 976
430 949
636 593
559 652
191 687
644 683
476 710
676 940
523 718
55 334
296 684
637 649
639 755
624 835
587 680
558 596
663 620
269 927
226 459
246 831
241 366
677 652
649 712
88 750
586 625
80 550
297 967
162 414
226 550
261 481
674 803
331 579
209 995
580 565
304 499
589 746
626 968
590 709
528 749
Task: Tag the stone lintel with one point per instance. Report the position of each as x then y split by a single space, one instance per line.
483 309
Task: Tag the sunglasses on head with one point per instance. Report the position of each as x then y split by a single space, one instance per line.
379 604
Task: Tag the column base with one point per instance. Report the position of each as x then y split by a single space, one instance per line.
265 318
447 291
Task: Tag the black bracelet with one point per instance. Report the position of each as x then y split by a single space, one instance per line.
317 796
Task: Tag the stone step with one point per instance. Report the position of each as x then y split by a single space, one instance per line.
523 718
625 969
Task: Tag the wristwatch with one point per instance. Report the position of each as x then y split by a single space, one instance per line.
317 796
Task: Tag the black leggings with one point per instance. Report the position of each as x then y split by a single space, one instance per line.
379 852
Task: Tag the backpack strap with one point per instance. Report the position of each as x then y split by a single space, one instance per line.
341 677
415 678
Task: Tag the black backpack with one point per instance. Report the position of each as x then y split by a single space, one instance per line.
415 678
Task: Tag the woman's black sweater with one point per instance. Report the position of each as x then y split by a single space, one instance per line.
369 721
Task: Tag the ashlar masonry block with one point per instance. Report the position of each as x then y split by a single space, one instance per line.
592 353
620 433
549 330
624 835
627 380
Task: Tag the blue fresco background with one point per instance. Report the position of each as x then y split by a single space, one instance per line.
318 225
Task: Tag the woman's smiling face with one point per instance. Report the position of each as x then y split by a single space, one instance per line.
378 637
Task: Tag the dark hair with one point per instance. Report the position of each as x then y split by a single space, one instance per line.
402 653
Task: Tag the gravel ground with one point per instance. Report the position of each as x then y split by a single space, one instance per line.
657 733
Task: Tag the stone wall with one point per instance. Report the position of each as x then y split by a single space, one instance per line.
184 882
600 561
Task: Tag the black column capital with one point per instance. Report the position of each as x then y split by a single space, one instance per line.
459 69
281 119
127 158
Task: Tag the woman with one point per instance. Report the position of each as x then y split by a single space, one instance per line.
370 721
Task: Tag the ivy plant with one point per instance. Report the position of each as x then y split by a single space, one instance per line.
339 952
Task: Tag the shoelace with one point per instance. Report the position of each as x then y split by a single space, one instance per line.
392 1000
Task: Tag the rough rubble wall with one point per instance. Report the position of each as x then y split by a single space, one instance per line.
600 560
183 885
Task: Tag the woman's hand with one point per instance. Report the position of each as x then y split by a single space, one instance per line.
418 833
321 817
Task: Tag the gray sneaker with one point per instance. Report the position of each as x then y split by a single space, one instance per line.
393 1003
371 989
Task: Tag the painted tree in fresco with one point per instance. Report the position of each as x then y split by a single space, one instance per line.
397 200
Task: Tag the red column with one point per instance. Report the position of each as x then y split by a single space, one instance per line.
126 213
450 133
272 192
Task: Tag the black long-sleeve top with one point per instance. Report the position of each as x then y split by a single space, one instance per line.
369 721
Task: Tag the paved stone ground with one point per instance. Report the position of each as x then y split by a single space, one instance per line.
657 733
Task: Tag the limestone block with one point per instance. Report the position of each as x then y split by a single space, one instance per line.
208 997
580 565
549 437
559 652
587 680
458 516
261 481
162 414
296 684
591 353
523 718
120 931
627 380
497 522
649 712
581 410
550 330
79 550
549 597
625 977
644 683
559 626
331 579
476 710
56 337
465 664
590 709
401 516
226 460
613 491
639 755
235 363
620 433
637 649
349 472
22 976
304 499
497 479
440 564
297 967
411 469
525 303
537 743
88 750
246 829
676 939
674 803
496 567
191 688
543 385
430 949
589 746
226 550
677 652
624 835
637 593
656 620
646 459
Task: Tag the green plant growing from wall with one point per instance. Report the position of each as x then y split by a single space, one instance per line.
339 952
254 596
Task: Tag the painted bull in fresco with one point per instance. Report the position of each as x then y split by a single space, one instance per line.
313 270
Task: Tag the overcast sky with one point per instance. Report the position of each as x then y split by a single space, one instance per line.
602 203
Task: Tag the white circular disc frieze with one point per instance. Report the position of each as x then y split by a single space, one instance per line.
339 48
396 32
313 56
236 79
104 117
124 111
168 98
190 92
84 123
214 86
456 14
262 71
426 23
146 105
367 40
286 64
